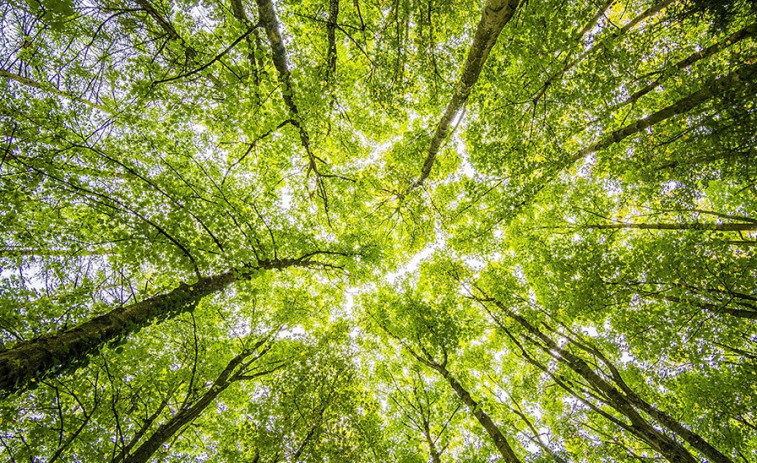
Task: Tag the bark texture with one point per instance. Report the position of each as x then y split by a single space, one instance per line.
741 78
28 359
279 55
621 398
495 16
331 35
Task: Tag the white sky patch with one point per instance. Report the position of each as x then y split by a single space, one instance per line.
669 186
474 263
291 333
284 202
202 17
587 165
412 265
590 330
457 117
466 167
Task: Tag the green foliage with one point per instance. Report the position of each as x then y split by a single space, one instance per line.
589 225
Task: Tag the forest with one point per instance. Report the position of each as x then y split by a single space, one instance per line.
411 231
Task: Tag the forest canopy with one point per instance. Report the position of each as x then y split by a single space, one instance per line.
378 230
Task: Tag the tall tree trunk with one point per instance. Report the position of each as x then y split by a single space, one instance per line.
678 226
553 78
741 78
186 415
28 359
748 31
496 14
331 35
623 402
279 54
499 440
483 418
714 308
162 22
436 457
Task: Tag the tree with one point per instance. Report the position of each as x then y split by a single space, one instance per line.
385 230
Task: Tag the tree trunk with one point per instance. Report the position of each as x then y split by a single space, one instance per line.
741 78
670 449
272 28
331 34
499 440
495 15
740 313
748 31
164 24
28 359
679 226
552 79
187 415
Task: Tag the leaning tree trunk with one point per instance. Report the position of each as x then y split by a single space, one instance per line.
496 14
186 415
28 359
627 404
499 439
740 79
678 226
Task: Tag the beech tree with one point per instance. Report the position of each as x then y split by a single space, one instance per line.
411 231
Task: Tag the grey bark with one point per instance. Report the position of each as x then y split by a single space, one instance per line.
678 226
741 78
495 16
625 401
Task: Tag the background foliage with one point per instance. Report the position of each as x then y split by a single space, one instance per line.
547 254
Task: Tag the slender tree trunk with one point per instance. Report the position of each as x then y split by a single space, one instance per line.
331 35
162 22
187 415
740 313
748 31
432 450
678 226
741 78
694 439
483 418
496 14
48 88
499 440
141 432
279 55
553 78
627 403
